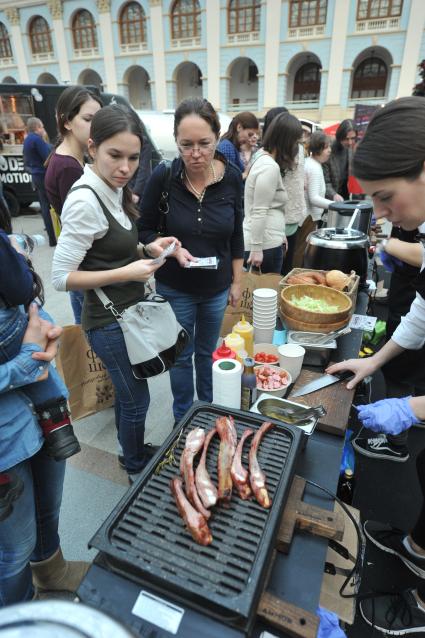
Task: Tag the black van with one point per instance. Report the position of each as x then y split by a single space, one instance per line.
18 102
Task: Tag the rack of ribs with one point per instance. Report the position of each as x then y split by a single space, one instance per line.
195 522
206 489
240 476
226 429
194 443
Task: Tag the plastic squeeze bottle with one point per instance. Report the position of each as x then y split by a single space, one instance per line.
236 343
223 352
246 331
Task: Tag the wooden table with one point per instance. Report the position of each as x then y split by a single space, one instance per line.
336 399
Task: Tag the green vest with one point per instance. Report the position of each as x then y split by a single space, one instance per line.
116 249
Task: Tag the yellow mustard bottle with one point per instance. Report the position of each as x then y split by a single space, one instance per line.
246 331
236 343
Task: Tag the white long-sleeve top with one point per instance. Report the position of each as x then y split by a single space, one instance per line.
83 221
410 333
265 200
315 189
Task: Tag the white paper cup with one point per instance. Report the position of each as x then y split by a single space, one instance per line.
291 358
265 293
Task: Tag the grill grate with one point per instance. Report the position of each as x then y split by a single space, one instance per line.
145 535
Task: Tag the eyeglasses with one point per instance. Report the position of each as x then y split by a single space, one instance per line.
186 148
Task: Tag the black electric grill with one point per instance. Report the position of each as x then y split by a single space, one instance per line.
145 539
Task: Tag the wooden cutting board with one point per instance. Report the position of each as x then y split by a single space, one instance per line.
336 399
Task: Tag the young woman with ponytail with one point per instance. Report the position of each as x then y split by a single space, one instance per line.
75 109
98 247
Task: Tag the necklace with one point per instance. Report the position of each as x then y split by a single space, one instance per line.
200 194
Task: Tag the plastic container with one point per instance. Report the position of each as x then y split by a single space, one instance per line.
275 392
246 331
315 355
223 352
235 342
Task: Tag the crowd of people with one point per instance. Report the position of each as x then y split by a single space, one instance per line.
249 199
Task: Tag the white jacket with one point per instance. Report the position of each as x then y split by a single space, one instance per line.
315 189
265 201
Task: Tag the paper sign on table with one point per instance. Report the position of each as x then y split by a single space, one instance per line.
362 322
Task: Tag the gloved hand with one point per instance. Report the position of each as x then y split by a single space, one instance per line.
391 416
329 624
389 262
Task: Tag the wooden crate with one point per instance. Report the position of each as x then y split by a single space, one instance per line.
351 292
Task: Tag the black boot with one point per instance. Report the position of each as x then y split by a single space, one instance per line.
11 488
54 419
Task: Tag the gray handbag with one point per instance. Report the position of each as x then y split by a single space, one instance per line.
153 336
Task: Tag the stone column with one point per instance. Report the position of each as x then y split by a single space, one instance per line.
12 15
213 52
412 48
56 11
271 61
105 23
158 54
332 108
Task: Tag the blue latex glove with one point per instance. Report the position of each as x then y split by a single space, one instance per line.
389 262
329 624
391 416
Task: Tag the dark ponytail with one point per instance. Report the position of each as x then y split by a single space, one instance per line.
394 142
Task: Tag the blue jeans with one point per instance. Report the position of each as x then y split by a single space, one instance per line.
201 317
131 394
76 297
31 531
272 260
13 324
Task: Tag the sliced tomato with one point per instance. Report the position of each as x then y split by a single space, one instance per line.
260 357
271 358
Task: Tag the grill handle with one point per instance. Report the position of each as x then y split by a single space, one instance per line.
288 618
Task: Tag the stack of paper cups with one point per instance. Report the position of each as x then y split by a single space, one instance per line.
226 378
264 310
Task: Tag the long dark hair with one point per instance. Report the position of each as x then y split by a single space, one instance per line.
270 115
110 121
342 131
197 106
282 137
394 142
246 120
69 104
6 226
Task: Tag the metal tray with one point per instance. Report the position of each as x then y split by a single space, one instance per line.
144 537
315 355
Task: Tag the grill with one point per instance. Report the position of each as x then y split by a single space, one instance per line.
144 537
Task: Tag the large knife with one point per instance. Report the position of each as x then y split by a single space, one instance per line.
322 382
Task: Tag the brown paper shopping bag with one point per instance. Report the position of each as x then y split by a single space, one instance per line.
90 387
250 281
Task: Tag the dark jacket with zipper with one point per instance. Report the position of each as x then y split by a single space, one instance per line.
211 228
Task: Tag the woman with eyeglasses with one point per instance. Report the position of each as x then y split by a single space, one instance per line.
205 195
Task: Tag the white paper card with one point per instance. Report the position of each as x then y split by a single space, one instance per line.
362 322
203 262
167 251
158 611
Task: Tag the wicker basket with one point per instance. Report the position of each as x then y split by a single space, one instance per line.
352 290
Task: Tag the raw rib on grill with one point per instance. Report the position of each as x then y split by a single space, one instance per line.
195 522
226 429
240 476
194 442
256 475
206 489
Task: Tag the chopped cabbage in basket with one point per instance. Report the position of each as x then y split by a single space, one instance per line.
314 305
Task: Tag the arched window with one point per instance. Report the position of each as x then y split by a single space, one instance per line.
39 33
372 9
132 24
305 13
307 82
243 16
5 48
84 30
185 19
370 78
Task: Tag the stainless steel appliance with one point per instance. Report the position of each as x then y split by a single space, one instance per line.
339 215
335 248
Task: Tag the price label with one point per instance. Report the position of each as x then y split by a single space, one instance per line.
362 322
158 611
